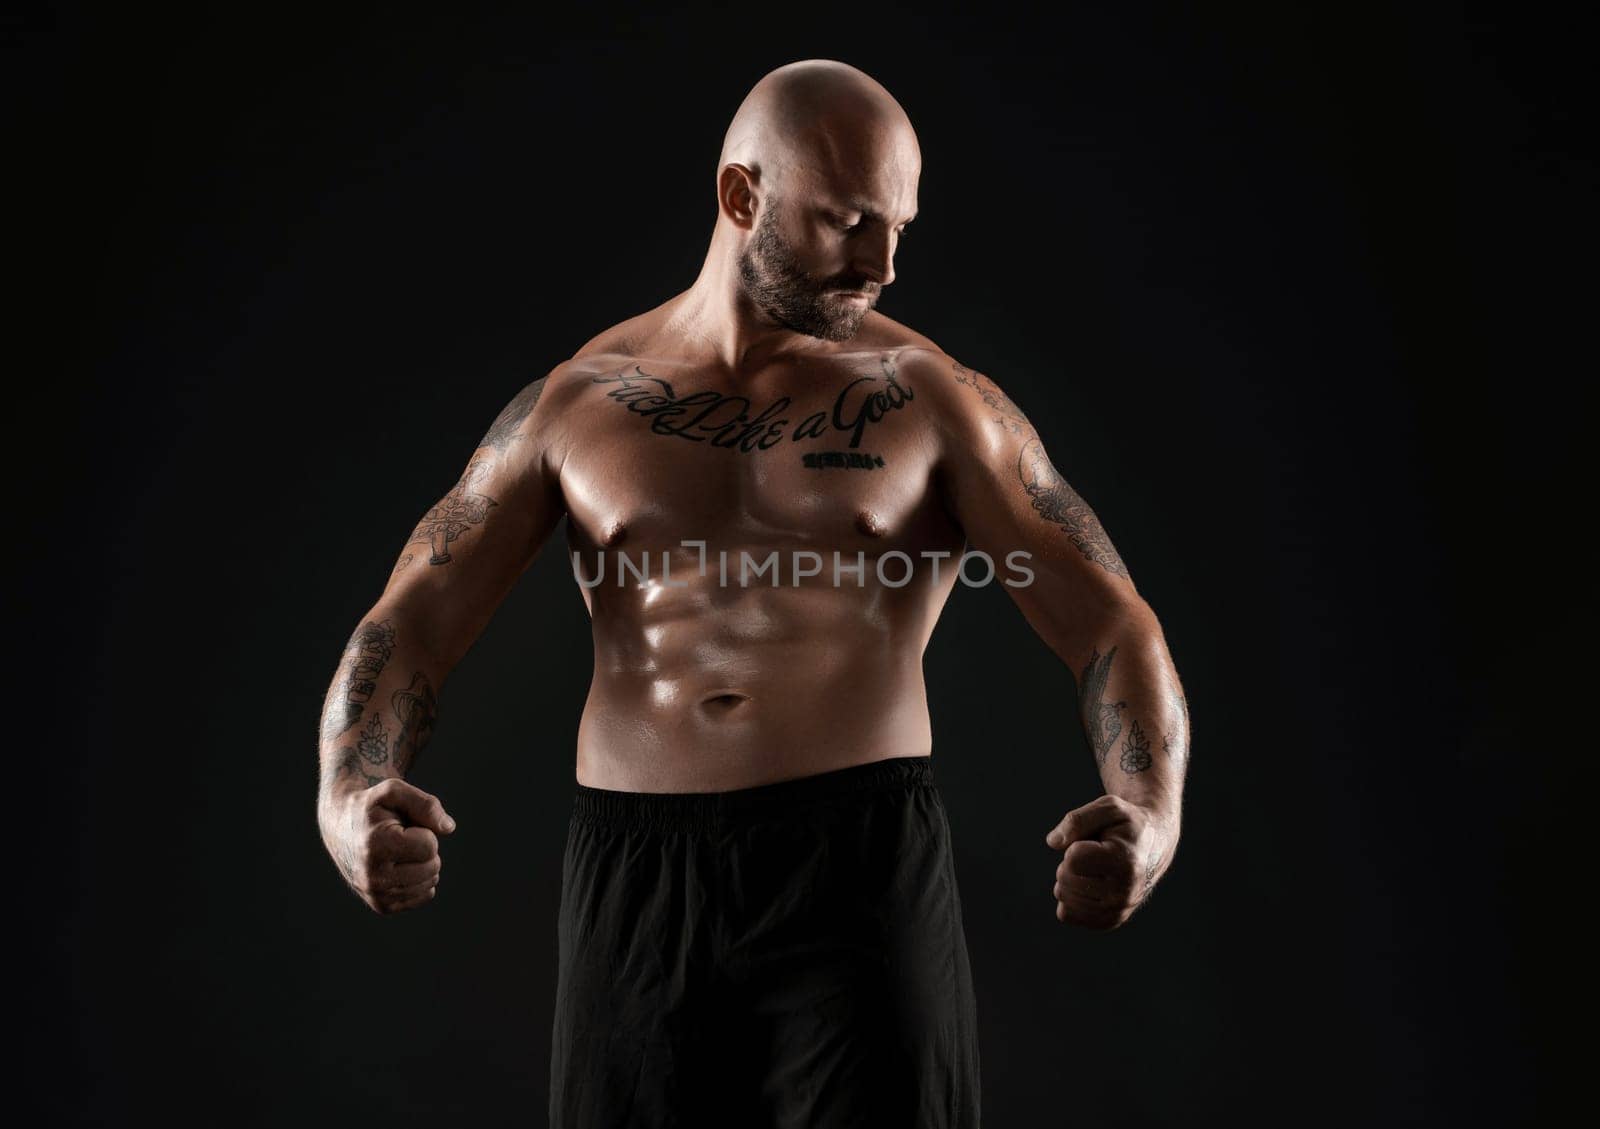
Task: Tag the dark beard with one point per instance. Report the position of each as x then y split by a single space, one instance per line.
773 280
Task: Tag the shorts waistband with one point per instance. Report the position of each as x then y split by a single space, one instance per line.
705 811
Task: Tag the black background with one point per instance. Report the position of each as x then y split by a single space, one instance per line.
1269 280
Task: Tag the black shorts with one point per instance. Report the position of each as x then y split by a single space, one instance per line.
786 955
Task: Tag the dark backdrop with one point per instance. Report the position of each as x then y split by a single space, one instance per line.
1260 276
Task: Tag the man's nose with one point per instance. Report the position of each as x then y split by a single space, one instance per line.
875 258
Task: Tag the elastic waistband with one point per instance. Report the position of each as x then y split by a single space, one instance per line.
707 811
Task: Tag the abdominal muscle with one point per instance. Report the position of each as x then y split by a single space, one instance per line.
707 689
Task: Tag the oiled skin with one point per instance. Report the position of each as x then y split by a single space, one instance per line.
708 687
692 422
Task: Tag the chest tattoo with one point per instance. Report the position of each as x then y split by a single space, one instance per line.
734 422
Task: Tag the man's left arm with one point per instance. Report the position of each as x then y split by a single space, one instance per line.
999 484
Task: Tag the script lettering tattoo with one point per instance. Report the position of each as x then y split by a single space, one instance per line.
365 656
504 427
732 422
416 706
1135 751
456 512
1006 413
1102 720
1060 505
877 403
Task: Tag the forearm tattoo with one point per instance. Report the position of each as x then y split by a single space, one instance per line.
1102 720
1051 497
1150 873
365 656
348 762
456 512
504 428
373 744
1176 743
1135 750
416 706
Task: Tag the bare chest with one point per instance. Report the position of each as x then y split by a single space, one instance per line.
839 457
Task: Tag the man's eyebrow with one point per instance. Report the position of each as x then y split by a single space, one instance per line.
867 210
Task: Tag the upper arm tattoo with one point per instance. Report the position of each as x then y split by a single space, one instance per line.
1053 500
1060 505
1006 413
456 512
504 427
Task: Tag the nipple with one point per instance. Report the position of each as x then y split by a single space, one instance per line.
869 523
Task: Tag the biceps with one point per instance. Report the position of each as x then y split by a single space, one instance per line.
1061 569
1010 499
1059 506
472 544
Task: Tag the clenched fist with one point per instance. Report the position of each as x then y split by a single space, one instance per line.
384 839
1113 852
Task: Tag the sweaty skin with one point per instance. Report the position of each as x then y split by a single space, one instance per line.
768 409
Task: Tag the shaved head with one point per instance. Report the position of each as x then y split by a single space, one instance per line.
821 114
818 178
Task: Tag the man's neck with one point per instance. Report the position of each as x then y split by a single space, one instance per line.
715 320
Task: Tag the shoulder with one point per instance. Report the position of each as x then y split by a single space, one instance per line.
540 404
630 337
969 404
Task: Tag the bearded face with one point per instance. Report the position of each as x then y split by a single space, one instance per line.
775 281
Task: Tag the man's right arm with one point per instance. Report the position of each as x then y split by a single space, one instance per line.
456 567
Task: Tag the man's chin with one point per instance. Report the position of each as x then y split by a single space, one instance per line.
843 328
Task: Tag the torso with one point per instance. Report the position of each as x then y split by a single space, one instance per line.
702 685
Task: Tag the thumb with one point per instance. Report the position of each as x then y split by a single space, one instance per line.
1084 823
416 806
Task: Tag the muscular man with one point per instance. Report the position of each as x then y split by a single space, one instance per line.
767 487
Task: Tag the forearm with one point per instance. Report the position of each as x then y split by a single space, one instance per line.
1134 713
381 705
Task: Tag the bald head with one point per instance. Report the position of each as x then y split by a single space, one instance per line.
815 187
823 116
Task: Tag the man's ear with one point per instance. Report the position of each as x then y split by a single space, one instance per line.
736 194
